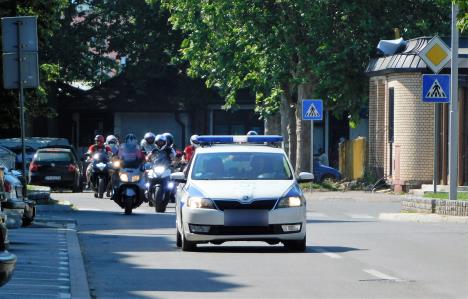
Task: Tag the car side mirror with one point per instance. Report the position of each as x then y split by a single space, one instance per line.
305 177
178 177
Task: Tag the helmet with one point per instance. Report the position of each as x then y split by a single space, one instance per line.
160 142
194 140
251 133
149 137
99 140
169 138
131 139
111 139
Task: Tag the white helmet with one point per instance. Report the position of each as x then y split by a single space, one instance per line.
194 140
150 138
111 139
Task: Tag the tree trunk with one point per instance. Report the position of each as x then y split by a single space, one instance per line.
273 124
303 150
284 112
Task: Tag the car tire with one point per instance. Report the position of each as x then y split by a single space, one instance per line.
187 245
178 238
330 177
295 245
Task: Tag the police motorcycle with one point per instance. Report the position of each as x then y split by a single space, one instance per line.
158 186
100 174
128 188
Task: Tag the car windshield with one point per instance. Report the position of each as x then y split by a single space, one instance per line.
241 166
53 157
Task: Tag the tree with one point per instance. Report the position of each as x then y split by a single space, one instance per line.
48 13
462 15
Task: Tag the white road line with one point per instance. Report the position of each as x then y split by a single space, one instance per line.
380 275
64 295
316 214
329 254
90 209
360 216
41 279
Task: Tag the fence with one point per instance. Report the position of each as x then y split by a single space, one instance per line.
352 158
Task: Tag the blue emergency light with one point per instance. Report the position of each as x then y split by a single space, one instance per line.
226 139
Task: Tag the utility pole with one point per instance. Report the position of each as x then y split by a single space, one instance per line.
453 153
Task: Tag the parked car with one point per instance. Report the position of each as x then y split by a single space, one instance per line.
7 260
323 172
56 167
17 205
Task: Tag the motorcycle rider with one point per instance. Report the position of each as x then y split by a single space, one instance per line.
161 150
113 143
147 143
98 146
130 153
190 149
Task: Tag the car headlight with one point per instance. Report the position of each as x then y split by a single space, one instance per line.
200 203
123 177
159 169
291 202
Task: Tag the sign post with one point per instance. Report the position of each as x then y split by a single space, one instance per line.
312 110
20 63
436 88
453 153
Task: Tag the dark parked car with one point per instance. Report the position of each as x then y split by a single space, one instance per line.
323 172
7 260
56 167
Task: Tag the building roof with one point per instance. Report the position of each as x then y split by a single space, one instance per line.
407 59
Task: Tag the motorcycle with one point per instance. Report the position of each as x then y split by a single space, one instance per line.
158 186
100 174
128 186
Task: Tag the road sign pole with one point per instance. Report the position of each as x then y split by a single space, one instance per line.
453 153
21 96
436 144
311 146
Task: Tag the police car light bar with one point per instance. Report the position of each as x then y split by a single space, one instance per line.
213 139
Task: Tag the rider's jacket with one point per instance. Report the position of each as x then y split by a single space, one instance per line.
102 149
146 147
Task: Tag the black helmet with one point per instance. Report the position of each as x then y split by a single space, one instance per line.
169 139
249 133
160 142
149 137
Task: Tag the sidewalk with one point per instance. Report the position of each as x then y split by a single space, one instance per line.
49 262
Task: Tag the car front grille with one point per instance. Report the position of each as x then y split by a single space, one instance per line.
245 230
266 204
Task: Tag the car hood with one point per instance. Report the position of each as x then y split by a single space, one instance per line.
233 189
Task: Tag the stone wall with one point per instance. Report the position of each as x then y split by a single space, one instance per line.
437 206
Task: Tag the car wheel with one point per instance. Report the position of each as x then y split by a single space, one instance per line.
186 244
296 245
329 177
178 238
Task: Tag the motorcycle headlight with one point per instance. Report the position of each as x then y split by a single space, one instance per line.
96 156
159 169
135 178
291 202
117 164
123 177
200 203
151 174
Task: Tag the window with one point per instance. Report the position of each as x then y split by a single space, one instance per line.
53 157
241 166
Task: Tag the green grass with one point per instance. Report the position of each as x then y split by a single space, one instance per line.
444 195
325 186
38 188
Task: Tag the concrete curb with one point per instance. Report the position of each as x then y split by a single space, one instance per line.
78 280
423 218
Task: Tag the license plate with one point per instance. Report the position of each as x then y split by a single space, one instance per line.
53 178
245 217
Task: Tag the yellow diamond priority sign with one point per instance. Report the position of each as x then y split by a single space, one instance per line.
435 54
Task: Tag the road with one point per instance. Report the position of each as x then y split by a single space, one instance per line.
350 254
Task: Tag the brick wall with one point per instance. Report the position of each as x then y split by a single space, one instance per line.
414 129
437 206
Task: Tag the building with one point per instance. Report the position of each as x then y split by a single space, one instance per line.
401 126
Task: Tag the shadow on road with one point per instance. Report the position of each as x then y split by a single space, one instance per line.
338 221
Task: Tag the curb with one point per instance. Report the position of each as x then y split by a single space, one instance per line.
423 218
78 280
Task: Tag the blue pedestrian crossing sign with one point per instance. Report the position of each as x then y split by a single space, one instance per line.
436 88
312 109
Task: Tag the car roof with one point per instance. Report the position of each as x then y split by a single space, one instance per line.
239 148
54 149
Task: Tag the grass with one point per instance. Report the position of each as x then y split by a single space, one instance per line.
444 195
38 188
325 186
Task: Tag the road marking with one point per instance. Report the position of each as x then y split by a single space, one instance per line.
360 216
329 254
33 285
64 295
90 209
42 279
63 263
380 275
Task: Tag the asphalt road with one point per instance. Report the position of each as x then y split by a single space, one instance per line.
350 254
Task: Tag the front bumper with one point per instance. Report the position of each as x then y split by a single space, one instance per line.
218 231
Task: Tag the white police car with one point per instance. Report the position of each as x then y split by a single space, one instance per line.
240 188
